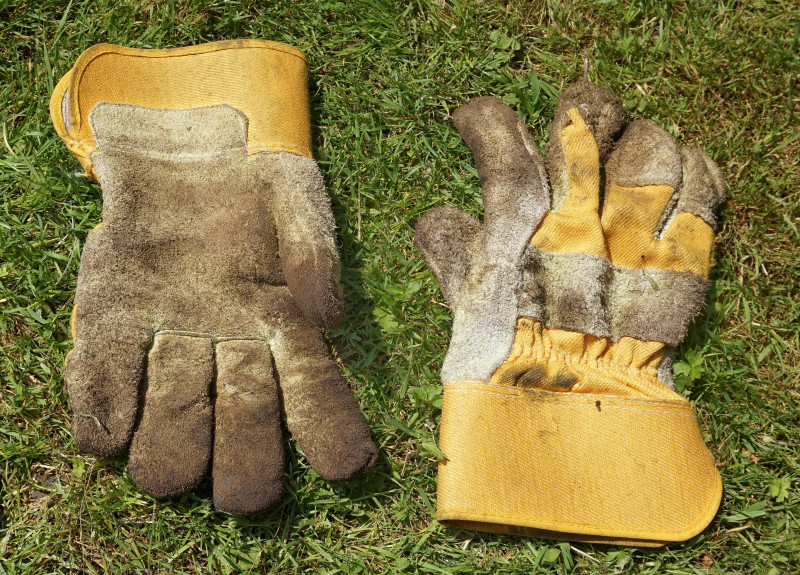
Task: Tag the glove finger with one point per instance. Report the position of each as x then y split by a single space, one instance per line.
443 236
602 114
248 445
642 175
689 236
650 296
103 374
576 226
321 413
703 187
171 448
512 175
563 280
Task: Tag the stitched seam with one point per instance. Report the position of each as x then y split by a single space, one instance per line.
86 147
580 404
505 390
642 534
230 152
212 337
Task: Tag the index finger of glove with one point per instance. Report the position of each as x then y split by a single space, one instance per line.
510 168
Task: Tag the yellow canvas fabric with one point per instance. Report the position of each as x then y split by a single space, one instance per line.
627 368
630 216
191 77
600 450
576 226
685 247
588 467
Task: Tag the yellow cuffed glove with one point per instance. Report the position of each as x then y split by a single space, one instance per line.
559 416
201 296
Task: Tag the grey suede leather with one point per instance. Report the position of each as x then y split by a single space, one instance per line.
198 310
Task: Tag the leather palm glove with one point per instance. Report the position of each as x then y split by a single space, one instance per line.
559 416
201 296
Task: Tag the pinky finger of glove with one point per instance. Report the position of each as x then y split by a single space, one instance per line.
703 188
690 232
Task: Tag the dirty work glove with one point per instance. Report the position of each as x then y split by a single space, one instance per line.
201 295
559 416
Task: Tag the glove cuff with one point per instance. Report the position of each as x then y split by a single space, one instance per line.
573 466
266 81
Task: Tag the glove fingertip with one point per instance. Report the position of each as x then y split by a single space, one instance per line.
232 497
90 437
602 110
329 428
479 110
703 188
645 155
487 119
359 454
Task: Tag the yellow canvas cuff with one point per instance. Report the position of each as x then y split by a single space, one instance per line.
574 466
264 80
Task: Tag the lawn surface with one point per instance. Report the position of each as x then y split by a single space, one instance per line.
384 80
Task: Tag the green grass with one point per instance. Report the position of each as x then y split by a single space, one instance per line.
385 78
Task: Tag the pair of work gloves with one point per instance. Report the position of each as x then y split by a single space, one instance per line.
201 296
